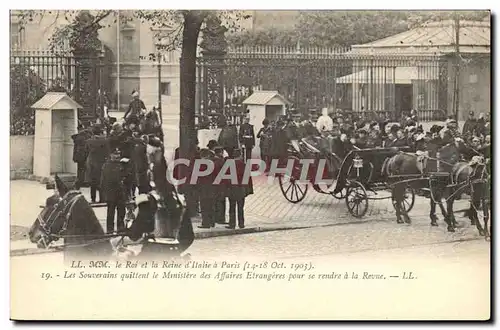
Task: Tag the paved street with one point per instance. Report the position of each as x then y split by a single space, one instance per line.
368 236
267 206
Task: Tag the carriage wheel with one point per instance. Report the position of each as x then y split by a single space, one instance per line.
356 199
340 194
293 190
409 199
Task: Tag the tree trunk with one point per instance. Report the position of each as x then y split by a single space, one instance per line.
192 26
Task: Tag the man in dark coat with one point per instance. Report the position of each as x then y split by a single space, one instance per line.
401 140
247 138
389 140
135 109
469 126
228 138
98 147
264 136
451 132
80 154
113 190
374 139
480 128
219 189
237 193
182 171
206 191
361 140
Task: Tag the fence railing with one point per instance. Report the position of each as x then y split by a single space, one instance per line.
83 77
334 78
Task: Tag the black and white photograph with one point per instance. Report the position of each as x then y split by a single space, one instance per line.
170 164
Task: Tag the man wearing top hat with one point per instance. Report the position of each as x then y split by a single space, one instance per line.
135 109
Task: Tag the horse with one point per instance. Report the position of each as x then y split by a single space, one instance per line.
68 215
475 177
466 177
149 124
419 165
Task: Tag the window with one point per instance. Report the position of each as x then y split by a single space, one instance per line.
15 36
165 88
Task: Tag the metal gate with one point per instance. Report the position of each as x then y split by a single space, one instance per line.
381 84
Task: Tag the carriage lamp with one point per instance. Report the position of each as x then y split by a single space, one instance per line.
358 162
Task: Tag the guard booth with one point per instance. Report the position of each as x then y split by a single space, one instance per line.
264 104
56 120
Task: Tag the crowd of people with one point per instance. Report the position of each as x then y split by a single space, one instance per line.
103 152
211 196
380 132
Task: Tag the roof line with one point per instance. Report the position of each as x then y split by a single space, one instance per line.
429 46
467 28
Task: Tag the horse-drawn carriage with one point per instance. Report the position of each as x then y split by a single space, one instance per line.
357 178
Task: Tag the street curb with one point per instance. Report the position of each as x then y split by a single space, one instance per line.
197 235
209 234
222 233
212 234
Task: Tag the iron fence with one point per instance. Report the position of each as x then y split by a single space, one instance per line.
85 78
365 83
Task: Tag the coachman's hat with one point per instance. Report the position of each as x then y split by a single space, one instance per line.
212 144
206 153
395 128
436 129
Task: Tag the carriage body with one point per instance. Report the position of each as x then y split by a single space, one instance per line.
362 172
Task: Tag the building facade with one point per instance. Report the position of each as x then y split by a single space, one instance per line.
416 69
128 43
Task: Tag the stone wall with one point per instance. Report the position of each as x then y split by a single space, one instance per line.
21 155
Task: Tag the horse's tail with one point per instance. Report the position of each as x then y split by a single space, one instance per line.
386 166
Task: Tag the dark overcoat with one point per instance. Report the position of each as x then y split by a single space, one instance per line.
111 185
98 148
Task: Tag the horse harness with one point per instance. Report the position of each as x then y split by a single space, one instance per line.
65 207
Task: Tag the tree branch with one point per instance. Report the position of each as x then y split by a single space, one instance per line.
53 23
98 19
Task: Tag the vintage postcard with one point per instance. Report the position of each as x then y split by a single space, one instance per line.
250 165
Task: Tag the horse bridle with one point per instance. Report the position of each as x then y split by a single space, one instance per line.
63 206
